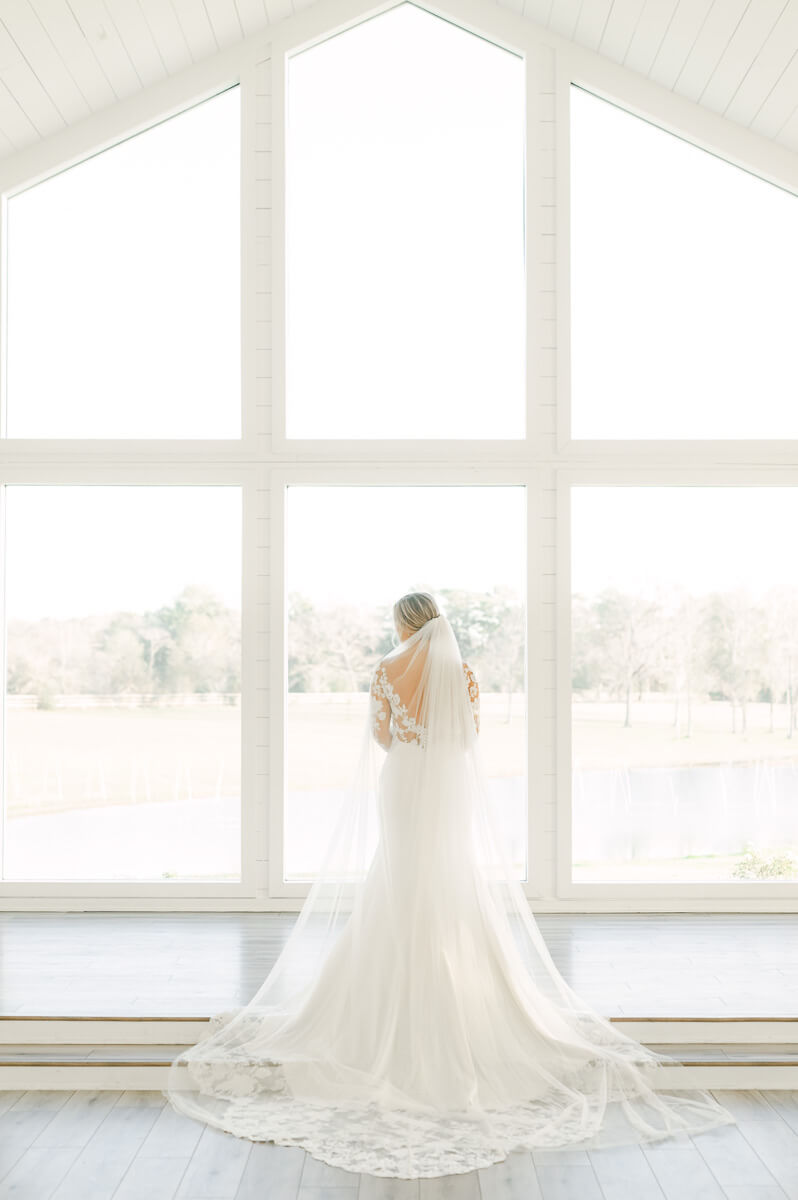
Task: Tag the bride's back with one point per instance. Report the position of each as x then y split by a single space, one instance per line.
400 679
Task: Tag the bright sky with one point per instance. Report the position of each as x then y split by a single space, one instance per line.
369 545
75 551
684 318
683 299
78 550
704 538
126 269
405 253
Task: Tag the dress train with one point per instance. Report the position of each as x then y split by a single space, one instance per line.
436 1034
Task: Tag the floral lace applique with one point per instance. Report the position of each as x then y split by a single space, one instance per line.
389 715
256 1103
473 691
405 727
379 711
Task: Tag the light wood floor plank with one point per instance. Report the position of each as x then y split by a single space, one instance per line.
785 1103
328 1193
624 1171
756 1193
272 1171
777 1146
216 1167
450 1187
173 1135
114 1159
374 1187
320 1174
38 1173
560 1157
9 1157
141 1099
8 1100
568 1182
103 1162
151 1179
637 964
513 1179
748 1105
96 1173
26 1115
682 1173
25 1120
51 1100
731 1159
77 1120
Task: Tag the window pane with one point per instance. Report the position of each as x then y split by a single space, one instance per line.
685 684
123 683
404 225
125 271
340 602
683 300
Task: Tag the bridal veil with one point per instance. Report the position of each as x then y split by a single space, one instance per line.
414 1023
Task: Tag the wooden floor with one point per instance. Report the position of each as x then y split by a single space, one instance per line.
131 1145
134 1146
196 964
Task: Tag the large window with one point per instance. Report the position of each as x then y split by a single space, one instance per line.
350 553
179 467
123 681
123 280
685 684
680 702
122 527
405 290
405 305
683 299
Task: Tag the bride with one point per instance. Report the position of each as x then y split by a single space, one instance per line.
414 1023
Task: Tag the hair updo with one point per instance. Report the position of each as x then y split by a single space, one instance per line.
414 609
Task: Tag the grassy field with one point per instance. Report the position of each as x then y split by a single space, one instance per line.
60 760
653 740
324 738
63 759
71 760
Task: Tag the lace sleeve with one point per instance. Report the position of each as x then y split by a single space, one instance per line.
473 691
379 709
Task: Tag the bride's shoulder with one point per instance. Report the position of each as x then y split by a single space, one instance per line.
380 669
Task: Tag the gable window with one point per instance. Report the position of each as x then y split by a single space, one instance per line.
405 308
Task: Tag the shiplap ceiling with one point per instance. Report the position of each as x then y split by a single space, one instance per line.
61 60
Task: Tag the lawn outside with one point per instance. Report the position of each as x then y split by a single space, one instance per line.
649 803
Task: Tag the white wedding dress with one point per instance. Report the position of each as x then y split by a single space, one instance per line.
414 1024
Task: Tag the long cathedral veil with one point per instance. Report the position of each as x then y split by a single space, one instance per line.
414 1022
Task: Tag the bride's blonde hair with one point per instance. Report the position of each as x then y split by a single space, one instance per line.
414 609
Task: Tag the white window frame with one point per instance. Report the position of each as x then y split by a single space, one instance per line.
700 897
227 894
612 462
264 458
763 158
286 893
506 31
202 462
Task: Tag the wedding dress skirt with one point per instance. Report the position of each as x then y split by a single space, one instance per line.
436 1035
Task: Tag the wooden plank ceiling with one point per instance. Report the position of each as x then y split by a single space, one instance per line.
61 60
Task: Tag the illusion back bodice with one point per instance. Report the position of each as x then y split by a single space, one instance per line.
390 713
